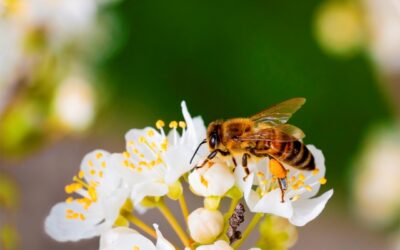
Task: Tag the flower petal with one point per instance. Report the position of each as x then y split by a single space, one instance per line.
149 188
162 243
60 228
123 238
308 209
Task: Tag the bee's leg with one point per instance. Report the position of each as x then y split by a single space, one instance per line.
279 171
244 164
234 163
283 187
211 156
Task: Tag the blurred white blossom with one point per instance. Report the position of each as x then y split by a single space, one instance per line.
205 225
377 187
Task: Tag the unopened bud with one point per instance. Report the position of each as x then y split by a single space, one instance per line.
205 225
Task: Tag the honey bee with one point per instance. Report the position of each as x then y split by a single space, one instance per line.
265 134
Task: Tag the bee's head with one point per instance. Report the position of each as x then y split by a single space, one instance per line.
214 134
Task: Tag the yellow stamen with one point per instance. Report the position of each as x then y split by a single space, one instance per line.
81 174
323 181
150 133
301 177
69 200
160 124
203 181
103 164
92 172
126 154
315 171
90 163
173 124
101 174
308 188
99 155
182 124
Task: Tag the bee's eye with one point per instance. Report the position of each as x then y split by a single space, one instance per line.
213 140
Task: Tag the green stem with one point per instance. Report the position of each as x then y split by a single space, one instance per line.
174 223
141 224
254 221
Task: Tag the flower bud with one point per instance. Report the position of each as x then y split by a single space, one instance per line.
205 225
218 245
214 181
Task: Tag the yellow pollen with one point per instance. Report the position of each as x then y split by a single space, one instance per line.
99 155
301 177
142 139
139 169
164 145
126 163
160 124
101 174
182 124
90 163
323 181
131 165
131 143
69 189
203 181
261 174
92 172
81 174
141 155
150 133
70 211
69 200
173 124
126 154
82 217
135 248
315 171
103 164
308 188
92 193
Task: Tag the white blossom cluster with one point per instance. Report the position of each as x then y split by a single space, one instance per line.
111 188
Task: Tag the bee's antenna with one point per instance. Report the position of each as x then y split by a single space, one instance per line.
197 149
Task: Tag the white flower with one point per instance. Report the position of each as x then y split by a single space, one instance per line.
298 206
153 161
101 193
123 238
74 103
215 180
205 225
218 245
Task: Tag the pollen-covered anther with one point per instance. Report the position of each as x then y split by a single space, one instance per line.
315 172
160 124
308 188
182 124
99 155
150 133
173 124
125 154
204 181
90 163
323 181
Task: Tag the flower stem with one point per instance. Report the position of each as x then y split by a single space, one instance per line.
184 208
141 224
174 224
254 221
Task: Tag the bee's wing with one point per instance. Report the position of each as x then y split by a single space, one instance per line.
291 130
268 134
279 113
